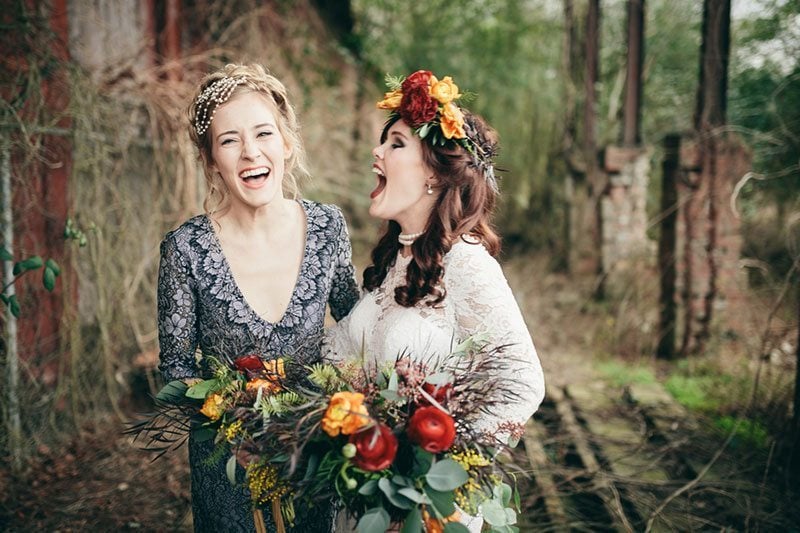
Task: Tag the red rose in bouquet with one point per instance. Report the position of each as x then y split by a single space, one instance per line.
440 393
252 363
376 448
432 428
417 107
419 78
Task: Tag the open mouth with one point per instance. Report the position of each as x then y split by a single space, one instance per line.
255 177
381 182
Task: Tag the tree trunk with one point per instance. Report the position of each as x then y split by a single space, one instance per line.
593 175
631 130
712 90
568 57
709 116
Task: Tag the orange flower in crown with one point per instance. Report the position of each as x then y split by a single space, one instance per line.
452 121
429 106
445 91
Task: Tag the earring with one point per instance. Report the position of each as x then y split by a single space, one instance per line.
430 189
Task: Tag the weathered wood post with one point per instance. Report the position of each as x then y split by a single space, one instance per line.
667 243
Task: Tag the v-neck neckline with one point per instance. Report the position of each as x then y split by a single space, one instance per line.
237 292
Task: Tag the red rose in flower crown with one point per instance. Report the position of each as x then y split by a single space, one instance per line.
417 107
376 448
432 428
421 78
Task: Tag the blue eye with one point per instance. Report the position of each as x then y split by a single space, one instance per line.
265 134
226 141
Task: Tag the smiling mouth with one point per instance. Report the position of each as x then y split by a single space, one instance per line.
381 182
255 176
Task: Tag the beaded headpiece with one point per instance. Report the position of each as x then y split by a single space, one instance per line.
216 94
428 106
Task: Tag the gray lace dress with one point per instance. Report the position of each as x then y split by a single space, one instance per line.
200 305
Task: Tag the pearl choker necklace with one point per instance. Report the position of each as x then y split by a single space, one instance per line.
407 239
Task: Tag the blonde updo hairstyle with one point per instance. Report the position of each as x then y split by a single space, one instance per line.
258 80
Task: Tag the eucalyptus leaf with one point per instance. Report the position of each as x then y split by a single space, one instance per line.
502 493
401 481
443 501
414 495
369 488
422 462
493 512
391 395
390 491
5 255
173 392
412 522
511 516
4 298
230 469
375 520
393 381
446 475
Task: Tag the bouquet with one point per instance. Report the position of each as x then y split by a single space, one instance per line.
394 442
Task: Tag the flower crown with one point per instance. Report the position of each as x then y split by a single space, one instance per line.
428 106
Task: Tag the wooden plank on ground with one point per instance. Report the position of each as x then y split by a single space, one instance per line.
672 421
605 489
542 471
622 443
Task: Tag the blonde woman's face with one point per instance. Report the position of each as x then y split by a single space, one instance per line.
249 151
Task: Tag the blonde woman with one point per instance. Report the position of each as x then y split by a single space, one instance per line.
253 274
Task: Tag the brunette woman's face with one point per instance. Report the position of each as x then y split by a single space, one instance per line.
403 178
248 150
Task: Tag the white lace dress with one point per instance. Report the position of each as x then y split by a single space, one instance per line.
478 301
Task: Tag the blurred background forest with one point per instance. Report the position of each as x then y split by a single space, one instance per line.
650 216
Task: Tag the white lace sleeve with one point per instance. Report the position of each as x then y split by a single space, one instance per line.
484 304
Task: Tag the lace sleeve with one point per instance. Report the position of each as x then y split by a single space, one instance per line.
177 333
344 290
484 304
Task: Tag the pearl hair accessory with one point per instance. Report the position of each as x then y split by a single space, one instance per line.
214 95
407 239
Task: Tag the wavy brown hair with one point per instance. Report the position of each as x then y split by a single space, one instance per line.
464 207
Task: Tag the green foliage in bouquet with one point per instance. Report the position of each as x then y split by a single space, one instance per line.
395 442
